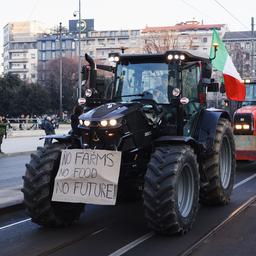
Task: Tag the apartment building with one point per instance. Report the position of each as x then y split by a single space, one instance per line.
242 49
20 49
98 44
191 35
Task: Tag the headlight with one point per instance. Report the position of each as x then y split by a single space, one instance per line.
182 57
111 59
104 123
116 58
176 92
170 57
113 122
246 126
88 93
238 127
176 56
81 122
242 127
87 122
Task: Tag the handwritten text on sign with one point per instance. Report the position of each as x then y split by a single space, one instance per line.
87 176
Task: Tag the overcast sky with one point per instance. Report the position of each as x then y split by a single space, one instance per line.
130 14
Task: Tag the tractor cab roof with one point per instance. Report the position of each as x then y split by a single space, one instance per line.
189 55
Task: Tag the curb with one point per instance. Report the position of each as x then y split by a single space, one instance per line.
19 205
16 154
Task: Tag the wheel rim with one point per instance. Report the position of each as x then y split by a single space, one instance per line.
185 188
225 162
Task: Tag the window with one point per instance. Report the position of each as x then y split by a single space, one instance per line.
33 56
205 40
43 45
111 41
53 46
101 41
53 55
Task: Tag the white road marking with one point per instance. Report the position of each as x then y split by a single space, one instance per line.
13 224
131 245
136 242
244 181
97 232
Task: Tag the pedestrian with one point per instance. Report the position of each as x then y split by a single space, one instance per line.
2 132
5 121
77 111
49 129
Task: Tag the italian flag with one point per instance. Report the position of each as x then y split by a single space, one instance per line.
235 89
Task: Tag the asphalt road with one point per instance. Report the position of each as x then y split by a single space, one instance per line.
11 170
118 230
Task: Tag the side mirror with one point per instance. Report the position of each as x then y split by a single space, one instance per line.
209 84
222 88
213 87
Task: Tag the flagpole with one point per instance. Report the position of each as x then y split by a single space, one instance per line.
252 53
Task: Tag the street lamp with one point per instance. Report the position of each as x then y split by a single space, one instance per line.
60 107
79 48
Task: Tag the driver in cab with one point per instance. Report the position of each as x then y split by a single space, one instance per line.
160 92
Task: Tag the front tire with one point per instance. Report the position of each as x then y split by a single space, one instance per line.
219 167
171 190
38 188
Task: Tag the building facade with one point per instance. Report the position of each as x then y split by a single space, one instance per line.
27 50
241 46
190 35
20 49
98 44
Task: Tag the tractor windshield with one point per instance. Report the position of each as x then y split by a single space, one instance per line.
155 81
136 80
250 98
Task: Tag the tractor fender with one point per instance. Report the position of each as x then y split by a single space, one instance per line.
60 138
206 127
175 140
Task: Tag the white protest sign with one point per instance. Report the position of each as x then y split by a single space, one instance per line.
87 176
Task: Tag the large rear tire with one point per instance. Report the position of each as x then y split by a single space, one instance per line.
220 167
171 190
38 188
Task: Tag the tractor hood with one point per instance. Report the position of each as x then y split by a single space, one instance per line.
110 111
247 110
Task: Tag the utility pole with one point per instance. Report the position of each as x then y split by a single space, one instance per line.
79 52
60 107
252 53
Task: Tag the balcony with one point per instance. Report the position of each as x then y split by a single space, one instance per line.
18 70
19 60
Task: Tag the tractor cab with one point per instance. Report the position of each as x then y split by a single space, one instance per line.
245 124
250 98
172 86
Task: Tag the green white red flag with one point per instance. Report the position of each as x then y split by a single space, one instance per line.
235 89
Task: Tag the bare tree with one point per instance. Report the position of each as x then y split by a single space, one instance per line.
69 81
161 41
157 42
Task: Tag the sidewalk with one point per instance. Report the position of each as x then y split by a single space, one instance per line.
17 148
23 141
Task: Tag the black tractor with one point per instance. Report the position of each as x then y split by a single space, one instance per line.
175 151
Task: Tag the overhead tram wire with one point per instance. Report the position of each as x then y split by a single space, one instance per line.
232 15
199 11
206 15
33 9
